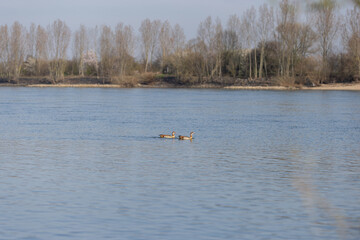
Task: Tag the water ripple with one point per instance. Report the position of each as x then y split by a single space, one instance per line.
263 165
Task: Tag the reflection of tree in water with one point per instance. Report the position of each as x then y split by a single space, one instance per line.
321 213
317 206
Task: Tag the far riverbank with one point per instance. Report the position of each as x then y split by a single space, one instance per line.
92 82
328 87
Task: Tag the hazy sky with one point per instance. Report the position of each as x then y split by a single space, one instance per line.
188 13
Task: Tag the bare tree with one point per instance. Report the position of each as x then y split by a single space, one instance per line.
107 51
205 35
286 34
327 25
4 50
41 48
166 43
355 2
218 47
209 45
31 41
231 52
30 49
149 31
232 45
265 30
195 61
304 46
247 24
351 38
232 40
93 49
58 42
17 49
178 38
124 47
80 47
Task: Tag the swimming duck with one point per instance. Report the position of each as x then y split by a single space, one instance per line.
186 138
168 136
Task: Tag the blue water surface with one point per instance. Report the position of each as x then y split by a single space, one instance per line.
88 164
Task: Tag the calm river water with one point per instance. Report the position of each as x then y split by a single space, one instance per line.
88 164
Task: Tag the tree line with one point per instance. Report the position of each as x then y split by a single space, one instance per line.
264 44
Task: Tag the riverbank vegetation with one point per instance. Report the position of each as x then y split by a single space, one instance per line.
268 46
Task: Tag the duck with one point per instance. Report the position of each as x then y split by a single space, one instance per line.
168 136
185 137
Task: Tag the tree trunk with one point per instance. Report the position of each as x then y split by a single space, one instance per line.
255 65
261 60
358 62
265 65
146 64
250 73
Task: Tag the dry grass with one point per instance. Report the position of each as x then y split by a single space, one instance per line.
125 81
146 78
75 85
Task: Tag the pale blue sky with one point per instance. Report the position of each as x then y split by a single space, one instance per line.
188 13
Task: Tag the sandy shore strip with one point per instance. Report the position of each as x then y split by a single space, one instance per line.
336 86
330 87
259 88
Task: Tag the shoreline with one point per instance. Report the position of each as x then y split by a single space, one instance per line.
325 87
